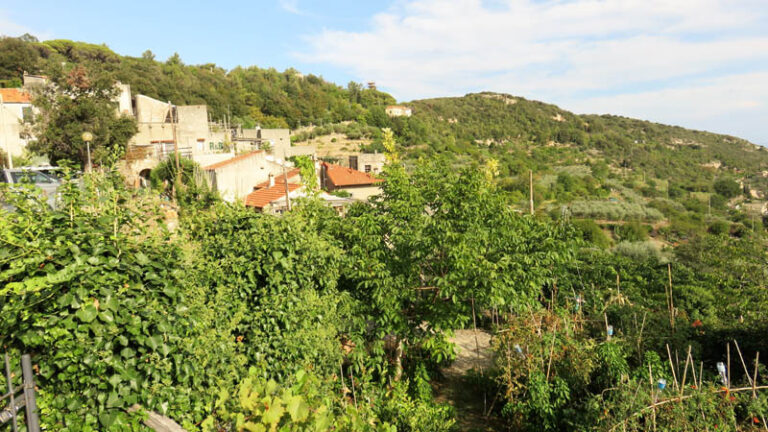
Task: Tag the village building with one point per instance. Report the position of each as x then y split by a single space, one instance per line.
163 129
16 118
271 198
359 185
238 176
274 141
368 162
398 111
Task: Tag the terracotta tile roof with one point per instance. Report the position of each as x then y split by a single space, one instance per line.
13 95
237 158
343 176
262 197
280 178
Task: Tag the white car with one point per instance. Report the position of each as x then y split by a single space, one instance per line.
47 183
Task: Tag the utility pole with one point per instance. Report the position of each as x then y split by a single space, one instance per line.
175 145
285 179
2 133
530 187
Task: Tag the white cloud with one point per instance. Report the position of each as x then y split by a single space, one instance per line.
291 6
564 51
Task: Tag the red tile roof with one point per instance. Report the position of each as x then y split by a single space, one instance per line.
263 197
343 176
12 95
280 178
237 158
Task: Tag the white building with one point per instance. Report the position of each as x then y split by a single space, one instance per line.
16 116
398 111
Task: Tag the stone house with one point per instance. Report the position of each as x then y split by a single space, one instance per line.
359 185
278 141
16 116
238 176
271 196
158 124
398 111
368 162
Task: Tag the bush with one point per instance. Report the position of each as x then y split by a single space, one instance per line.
632 232
614 210
727 188
592 232
719 227
640 251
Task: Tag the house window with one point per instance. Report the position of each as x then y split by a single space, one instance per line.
26 114
367 168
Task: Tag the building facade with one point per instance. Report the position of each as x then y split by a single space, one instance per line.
16 118
398 111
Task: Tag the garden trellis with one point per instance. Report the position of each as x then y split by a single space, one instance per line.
18 398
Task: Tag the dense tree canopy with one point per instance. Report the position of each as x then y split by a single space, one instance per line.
78 101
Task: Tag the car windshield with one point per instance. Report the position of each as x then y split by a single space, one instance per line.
31 177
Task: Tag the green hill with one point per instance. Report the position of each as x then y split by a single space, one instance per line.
602 167
502 125
246 95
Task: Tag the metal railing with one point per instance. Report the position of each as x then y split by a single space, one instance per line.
24 399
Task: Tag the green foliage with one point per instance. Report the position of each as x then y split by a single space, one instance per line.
631 231
614 210
97 298
640 251
249 95
193 189
726 187
592 232
80 101
437 241
263 405
308 171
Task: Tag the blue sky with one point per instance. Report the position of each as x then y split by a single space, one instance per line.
697 63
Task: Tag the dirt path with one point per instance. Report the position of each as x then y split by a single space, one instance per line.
462 385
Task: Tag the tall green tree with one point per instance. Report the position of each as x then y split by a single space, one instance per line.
81 100
439 246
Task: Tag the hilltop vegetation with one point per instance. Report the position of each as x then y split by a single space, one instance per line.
246 95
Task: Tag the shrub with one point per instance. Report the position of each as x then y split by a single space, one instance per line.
727 187
614 210
632 232
592 232
640 251
719 227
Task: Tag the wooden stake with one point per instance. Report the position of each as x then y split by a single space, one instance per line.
728 367
671 298
693 368
640 337
685 371
754 377
352 384
743 364
530 186
672 366
343 386
552 349
653 395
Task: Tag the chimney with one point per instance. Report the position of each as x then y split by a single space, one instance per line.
271 180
